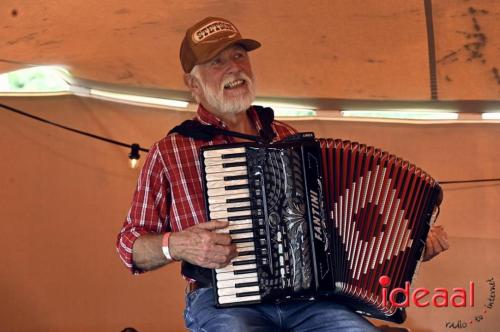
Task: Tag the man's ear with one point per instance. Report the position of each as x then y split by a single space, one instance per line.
191 82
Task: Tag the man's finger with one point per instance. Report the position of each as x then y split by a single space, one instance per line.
429 248
223 239
212 225
436 246
443 240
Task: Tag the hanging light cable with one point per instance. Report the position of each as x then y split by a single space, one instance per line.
135 148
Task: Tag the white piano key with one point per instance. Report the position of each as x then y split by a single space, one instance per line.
233 299
245 246
225 214
219 161
219 152
231 268
234 291
226 206
222 183
248 235
219 169
233 283
239 222
221 176
229 228
227 193
231 276
223 199
242 258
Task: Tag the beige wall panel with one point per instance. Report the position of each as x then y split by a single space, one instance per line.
64 197
335 49
332 49
467 48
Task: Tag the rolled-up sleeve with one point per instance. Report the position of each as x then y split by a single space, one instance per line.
149 211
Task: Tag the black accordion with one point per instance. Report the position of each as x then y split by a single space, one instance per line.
317 218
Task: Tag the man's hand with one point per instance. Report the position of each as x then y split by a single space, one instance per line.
437 242
201 246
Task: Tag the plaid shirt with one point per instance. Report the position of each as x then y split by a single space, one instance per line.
169 195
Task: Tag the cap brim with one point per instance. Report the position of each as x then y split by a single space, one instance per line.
247 44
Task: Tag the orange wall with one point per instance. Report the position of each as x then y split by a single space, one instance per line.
63 199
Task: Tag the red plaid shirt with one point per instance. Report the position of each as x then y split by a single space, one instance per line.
169 195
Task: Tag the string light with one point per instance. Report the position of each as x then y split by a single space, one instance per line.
134 155
135 148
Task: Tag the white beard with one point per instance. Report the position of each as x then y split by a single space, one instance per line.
234 104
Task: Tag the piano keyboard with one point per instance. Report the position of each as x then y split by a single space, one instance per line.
228 197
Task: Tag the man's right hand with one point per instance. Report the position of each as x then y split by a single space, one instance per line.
201 246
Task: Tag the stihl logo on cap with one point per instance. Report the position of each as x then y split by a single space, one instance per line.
213 28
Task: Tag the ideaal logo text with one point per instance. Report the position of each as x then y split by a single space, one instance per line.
439 298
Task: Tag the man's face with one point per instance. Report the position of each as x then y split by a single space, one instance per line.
226 81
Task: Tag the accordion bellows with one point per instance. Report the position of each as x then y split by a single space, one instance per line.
318 218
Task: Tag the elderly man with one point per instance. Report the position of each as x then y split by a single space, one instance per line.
167 220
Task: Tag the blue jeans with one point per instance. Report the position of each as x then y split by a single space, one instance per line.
202 315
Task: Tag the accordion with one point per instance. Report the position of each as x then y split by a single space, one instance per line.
317 219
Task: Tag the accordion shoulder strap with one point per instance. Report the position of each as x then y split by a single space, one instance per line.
196 130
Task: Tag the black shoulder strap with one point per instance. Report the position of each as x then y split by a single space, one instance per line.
201 274
196 130
266 117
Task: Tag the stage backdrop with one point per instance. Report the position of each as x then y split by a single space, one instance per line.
64 198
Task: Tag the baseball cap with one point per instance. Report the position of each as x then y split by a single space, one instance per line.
207 38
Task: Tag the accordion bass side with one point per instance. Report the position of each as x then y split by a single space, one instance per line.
318 218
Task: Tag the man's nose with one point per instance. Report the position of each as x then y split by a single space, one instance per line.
232 66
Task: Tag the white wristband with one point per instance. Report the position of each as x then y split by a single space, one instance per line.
165 248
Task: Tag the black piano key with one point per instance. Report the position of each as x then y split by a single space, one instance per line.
244 271
246 253
241 208
236 218
238 200
246 284
235 177
239 231
249 239
244 294
235 187
245 262
228 165
233 155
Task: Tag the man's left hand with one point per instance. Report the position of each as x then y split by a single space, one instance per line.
437 242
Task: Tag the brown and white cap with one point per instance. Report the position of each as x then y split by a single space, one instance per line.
207 38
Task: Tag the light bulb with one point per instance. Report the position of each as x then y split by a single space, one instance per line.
133 163
134 155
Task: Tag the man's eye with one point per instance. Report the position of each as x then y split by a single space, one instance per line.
216 62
